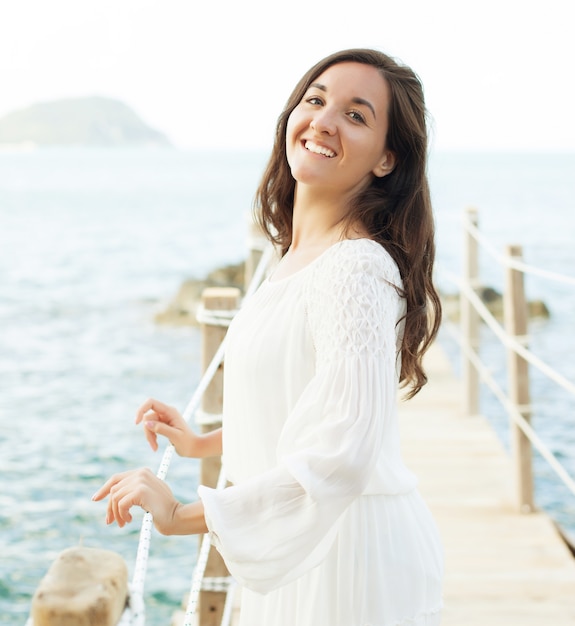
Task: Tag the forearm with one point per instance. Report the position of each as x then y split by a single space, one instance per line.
188 519
209 444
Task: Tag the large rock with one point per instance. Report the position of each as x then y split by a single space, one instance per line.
83 587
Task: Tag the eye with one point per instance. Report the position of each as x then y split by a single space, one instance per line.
356 116
315 100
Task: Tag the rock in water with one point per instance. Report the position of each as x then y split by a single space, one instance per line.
83 587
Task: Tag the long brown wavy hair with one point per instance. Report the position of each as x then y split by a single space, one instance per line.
395 209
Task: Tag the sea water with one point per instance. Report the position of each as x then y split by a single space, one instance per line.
94 242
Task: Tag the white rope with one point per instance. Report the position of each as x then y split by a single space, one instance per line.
508 261
140 569
214 317
506 339
260 271
229 605
513 411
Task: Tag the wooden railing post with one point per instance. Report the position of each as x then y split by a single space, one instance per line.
214 299
515 316
469 318
256 245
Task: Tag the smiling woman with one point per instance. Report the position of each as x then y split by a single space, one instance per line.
323 523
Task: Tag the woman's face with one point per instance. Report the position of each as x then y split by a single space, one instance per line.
336 135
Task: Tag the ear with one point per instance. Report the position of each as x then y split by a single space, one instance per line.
385 165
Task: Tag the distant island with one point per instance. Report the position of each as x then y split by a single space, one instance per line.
93 121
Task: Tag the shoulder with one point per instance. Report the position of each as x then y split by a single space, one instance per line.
354 273
357 259
353 300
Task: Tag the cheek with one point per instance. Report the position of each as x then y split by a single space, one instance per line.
292 125
298 120
289 129
292 132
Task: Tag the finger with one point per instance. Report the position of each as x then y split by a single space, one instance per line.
109 512
107 486
121 499
159 428
113 512
150 404
150 433
124 505
147 415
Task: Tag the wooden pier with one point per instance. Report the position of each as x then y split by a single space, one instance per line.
503 568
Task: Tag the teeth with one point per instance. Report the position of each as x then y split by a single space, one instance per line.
312 147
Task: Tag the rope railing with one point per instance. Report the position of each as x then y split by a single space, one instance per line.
488 378
507 261
135 613
507 340
515 341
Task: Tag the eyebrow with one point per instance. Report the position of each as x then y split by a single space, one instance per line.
356 100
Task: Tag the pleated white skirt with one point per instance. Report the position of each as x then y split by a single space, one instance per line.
384 569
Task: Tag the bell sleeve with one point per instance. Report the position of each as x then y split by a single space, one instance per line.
276 526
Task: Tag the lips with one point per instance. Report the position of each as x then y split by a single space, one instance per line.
311 146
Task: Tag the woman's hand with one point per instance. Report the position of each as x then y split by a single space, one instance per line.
144 489
160 419
139 488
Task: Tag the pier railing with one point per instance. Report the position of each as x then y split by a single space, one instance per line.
513 335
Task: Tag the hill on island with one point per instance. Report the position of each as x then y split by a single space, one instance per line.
93 121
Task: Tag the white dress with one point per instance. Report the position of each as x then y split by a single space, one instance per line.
323 525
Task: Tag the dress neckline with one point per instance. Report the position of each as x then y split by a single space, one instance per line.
278 281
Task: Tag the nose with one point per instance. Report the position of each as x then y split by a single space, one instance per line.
324 121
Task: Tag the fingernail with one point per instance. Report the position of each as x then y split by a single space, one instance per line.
151 425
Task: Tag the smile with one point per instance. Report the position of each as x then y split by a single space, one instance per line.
313 147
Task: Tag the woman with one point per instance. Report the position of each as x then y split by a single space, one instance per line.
323 524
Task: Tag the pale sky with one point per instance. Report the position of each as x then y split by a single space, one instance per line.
498 74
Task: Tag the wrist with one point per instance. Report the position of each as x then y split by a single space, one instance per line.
210 443
188 519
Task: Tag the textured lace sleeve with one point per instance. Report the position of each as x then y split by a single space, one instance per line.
353 303
274 527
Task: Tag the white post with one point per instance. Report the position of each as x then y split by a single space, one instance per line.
469 318
515 316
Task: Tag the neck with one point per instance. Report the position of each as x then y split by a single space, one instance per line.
319 219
